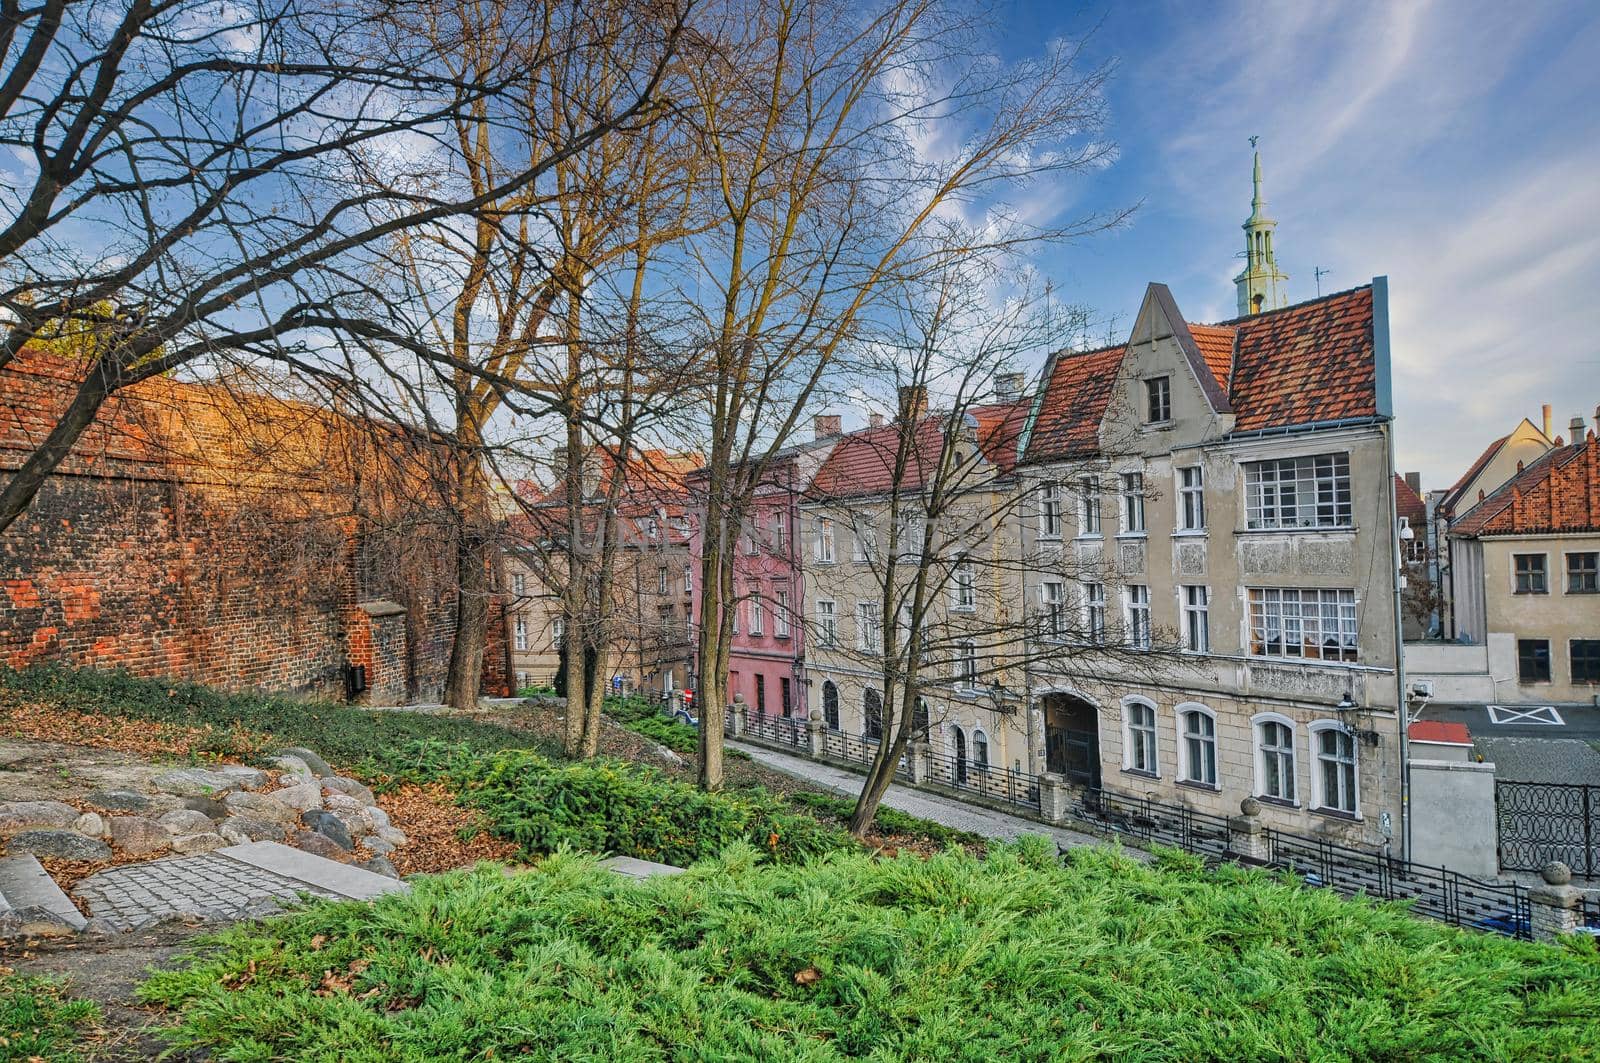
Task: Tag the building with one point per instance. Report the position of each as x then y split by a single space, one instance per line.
1261 284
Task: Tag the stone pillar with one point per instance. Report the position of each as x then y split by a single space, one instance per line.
1036 752
815 729
918 755
737 711
1553 907
1246 837
1055 796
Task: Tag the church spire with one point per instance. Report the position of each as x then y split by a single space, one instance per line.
1261 285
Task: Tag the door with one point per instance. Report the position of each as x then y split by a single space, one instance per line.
1072 739
961 756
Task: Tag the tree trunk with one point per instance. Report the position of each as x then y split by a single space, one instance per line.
24 484
593 703
465 678
711 660
879 775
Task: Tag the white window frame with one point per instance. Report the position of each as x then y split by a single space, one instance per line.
780 532
963 587
757 615
1145 740
519 583
738 607
1306 491
661 580
1089 513
1196 617
780 614
967 665
865 540
519 635
1053 609
1186 768
1258 725
1192 498
1566 569
1050 511
827 622
688 579
1319 795
869 627
1094 612
979 742
652 528
824 543
1544 572
1131 505
1287 612
558 631
1136 607
1150 388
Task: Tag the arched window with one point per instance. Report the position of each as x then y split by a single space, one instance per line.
919 721
830 704
1197 745
1139 737
958 749
872 714
1275 767
1333 781
980 750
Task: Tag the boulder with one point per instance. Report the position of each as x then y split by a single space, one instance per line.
185 821
300 798
295 778
290 763
91 823
120 801
260 806
351 812
198 843
338 784
318 845
139 836
247 778
380 866
379 817
65 844
318 766
236 830
210 806
19 816
328 824
392 835
197 782
377 846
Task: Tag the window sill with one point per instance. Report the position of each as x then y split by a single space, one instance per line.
1580 593
1191 533
1133 535
1158 426
1044 538
1307 662
1140 773
1337 813
965 610
1089 537
1342 529
1277 802
1529 594
1196 784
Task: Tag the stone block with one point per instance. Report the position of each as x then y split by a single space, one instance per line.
120 801
139 836
338 784
261 806
300 798
316 764
91 823
185 821
316 844
198 843
237 830
19 816
329 825
65 844
197 782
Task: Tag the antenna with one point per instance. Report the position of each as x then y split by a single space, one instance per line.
1253 142
1320 273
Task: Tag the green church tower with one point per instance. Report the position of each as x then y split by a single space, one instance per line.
1261 285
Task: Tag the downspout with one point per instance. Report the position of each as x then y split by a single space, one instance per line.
1382 382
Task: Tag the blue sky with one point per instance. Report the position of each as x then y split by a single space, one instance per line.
1453 146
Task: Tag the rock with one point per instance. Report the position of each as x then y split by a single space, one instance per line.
351 812
392 835
318 766
198 843
197 782
377 846
34 921
100 928
326 823
338 784
380 866
210 807
290 778
236 830
310 841
300 798
260 806
120 801
247 778
139 836
66 844
19 816
379 817
91 823
185 821
290 763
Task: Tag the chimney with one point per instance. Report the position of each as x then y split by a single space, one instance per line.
826 426
1414 481
874 420
1576 427
913 402
1008 386
1548 427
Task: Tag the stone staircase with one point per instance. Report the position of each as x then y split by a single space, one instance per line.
31 904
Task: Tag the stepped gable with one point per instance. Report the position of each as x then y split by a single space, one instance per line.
1558 493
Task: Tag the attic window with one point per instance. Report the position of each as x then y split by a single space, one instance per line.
1158 395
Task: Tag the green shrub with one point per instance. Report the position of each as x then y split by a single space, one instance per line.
38 1021
643 716
889 820
1015 957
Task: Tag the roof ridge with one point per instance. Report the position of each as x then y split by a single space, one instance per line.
1245 319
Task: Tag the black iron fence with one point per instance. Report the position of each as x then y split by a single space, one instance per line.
1542 822
1150 821
1007 785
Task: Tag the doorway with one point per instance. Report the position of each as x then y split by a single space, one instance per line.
1072 739
961 755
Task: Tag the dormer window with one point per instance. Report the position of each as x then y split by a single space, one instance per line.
1158 400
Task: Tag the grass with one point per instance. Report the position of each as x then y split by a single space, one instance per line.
38 1021
644 717
952 958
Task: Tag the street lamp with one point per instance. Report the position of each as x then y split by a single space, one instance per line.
1347 706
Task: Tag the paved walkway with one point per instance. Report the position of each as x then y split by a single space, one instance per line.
940 809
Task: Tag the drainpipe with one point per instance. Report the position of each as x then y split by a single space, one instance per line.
1385 407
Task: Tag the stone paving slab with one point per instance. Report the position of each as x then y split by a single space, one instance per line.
341 880
635 868
24 885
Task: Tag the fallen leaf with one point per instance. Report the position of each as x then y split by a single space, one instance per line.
807 976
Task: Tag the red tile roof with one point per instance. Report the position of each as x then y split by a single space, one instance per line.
1452 496
1558 493
1305 364
1440 731
862 462
1408 504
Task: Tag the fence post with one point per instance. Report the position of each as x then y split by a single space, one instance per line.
1054 795
815 729
738 715
1245 835
1553 906
919 762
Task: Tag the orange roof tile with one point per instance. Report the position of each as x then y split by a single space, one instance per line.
1453 495
1558 493
1216 347
863 462
1409 504
1077 387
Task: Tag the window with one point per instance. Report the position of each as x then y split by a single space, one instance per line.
761 694
1138 616
824 545
1191 499
1585 654
1050 511
780 532
1530 573
964 588
1196 619
1275 760
872 715
688 580
519 584
910 536
751 546
1533 660
1336 769
1198 730
980 750
1311 492
1583 573
661 580
919 721
652 528
1158 400
830 704
1311 623
967 665
827 623
1053 602
522 681
758 618
1089 506
784 692
866 540
1139 723
780 615
738 607
521 634
1133 503
558 631
1094 597
665 618
869 627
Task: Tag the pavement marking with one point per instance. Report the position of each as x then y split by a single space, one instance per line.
1539 714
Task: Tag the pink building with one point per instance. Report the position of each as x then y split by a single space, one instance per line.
766 663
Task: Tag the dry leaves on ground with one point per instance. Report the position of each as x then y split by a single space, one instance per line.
146 738
434 824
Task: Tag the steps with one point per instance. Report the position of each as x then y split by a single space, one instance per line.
31 904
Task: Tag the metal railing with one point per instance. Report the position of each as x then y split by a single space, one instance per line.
1007 785
1538 823
1154 822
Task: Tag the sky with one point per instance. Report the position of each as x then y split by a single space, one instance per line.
1451 146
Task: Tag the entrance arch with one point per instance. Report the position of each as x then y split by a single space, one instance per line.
1072 738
